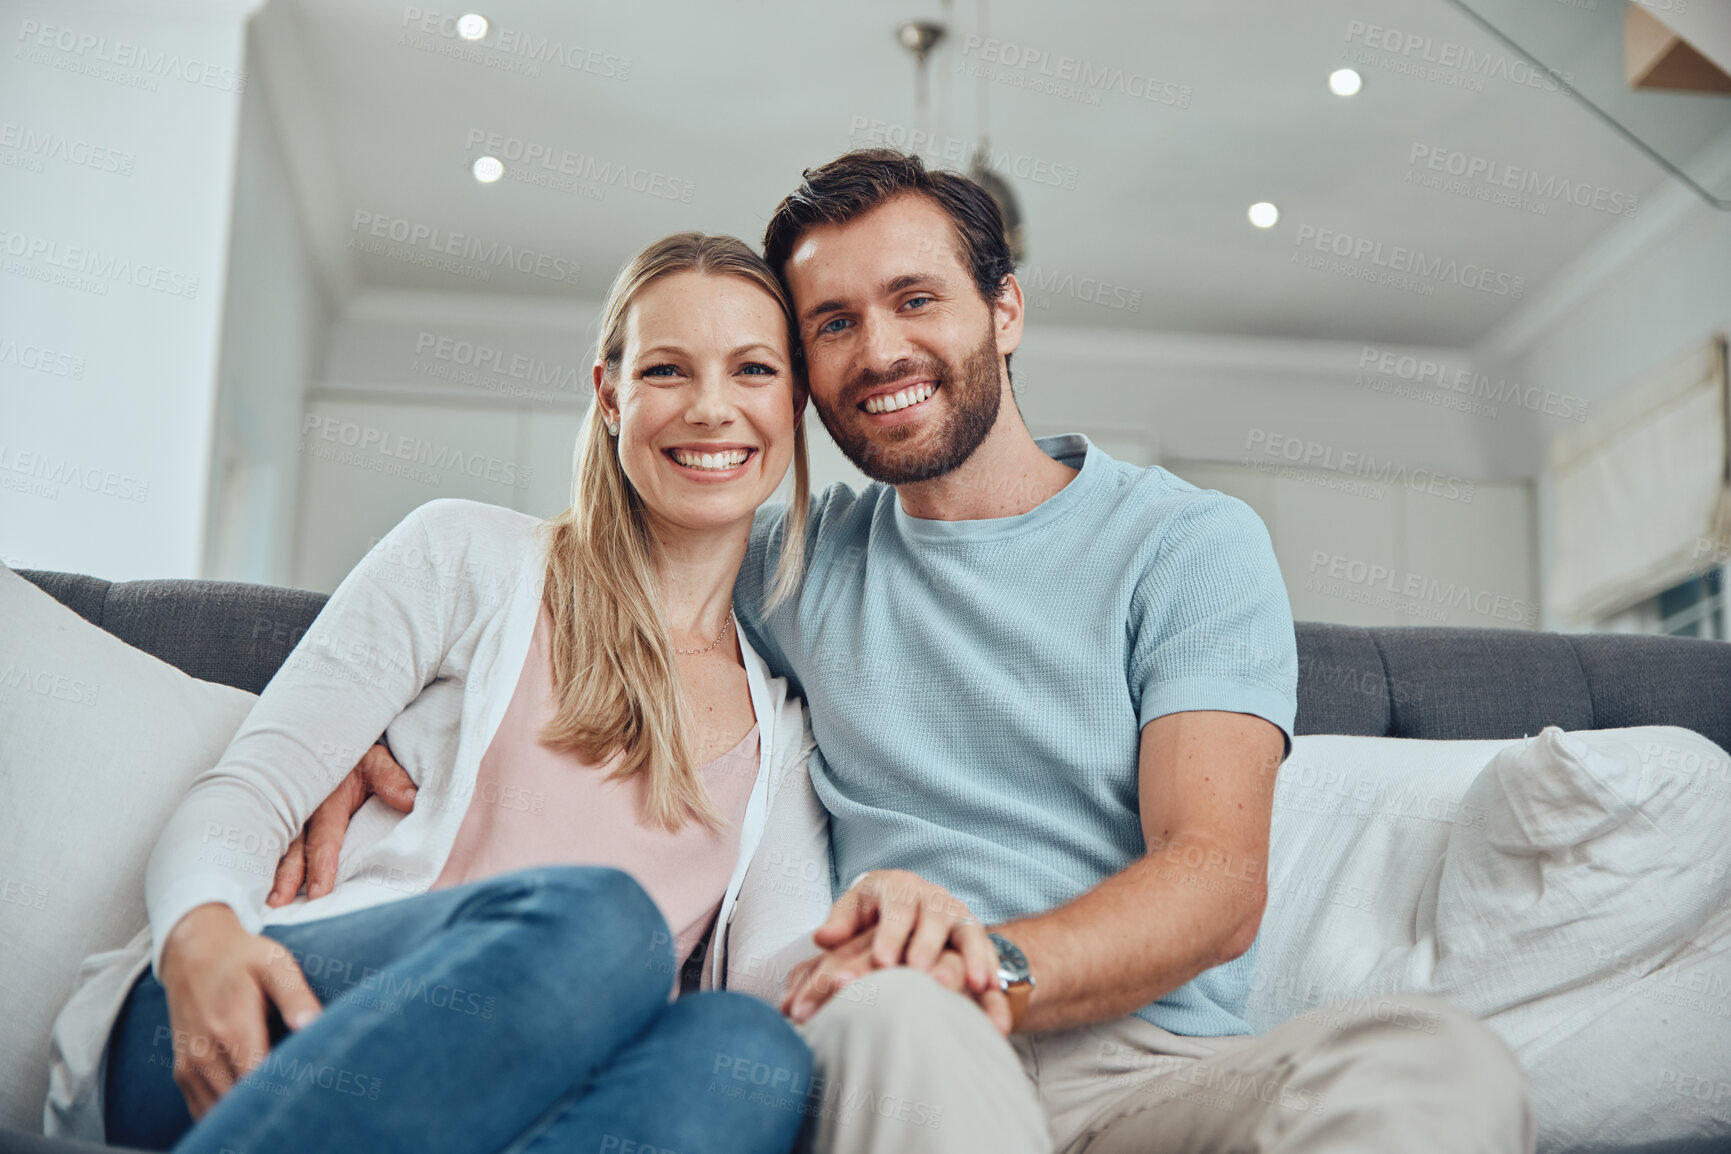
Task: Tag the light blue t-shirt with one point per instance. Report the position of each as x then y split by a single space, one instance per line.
978 688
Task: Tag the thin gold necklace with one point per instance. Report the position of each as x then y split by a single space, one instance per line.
712 644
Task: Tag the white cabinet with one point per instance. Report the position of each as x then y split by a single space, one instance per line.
1403 551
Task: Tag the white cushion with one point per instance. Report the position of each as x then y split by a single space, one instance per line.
98 741
1570 889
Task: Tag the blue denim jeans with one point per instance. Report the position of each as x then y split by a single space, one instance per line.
525 1013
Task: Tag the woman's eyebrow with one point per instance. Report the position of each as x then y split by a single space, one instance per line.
677 351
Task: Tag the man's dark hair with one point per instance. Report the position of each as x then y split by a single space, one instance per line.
856 182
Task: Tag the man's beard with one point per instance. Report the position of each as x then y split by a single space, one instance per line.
973 393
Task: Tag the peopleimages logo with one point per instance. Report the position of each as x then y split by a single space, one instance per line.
1497 176
583 167
44 471
121 54
1043 284
80 261
1418 590
1419 371
438 241
1068 76
1448 60
954 152
364 439
42 144
518 42
1409 263
1315 455
43 360
486 359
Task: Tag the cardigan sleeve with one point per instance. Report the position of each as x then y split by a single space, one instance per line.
786 892
379 640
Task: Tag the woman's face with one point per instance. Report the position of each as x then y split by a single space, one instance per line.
705 399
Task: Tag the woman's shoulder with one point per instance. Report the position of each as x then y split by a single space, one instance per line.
460 521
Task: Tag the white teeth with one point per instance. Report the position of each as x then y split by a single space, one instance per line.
731 459
896 401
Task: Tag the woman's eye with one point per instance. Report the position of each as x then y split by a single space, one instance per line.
758 369
656 371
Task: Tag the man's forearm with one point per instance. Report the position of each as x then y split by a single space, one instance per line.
1142 933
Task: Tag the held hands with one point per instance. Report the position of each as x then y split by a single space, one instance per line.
221 982
894 917
313 854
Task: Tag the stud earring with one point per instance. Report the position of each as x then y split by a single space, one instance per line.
612 428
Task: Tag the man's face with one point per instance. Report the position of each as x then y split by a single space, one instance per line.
904 357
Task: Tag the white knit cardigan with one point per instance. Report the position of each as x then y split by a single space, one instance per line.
424 642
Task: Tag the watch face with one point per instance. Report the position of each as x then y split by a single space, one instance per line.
1012 963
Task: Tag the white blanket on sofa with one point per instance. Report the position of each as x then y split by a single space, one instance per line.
1570 889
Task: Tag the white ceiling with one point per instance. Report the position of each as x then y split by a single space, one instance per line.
735 99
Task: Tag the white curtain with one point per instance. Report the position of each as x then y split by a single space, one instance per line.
1642 489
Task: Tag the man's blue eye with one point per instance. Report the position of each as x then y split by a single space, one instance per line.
830 326
915 300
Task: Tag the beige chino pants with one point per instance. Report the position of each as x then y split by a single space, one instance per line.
904 1066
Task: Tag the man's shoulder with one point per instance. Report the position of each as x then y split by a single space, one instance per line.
839 512
1151 503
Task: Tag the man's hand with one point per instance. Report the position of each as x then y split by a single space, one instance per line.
221 982
894 917
313 854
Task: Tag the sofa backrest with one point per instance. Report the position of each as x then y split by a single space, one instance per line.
1396 681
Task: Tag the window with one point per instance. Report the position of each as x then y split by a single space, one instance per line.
1697 607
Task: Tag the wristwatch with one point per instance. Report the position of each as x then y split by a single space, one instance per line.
1014 977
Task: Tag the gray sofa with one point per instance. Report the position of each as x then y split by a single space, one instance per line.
1398 682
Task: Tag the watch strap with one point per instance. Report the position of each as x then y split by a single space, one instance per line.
1018 993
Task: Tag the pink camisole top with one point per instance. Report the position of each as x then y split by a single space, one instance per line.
534 805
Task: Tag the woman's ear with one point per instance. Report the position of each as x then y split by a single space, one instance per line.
606 395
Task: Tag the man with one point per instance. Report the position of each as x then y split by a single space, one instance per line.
1050 693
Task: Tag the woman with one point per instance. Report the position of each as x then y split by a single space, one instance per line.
597 753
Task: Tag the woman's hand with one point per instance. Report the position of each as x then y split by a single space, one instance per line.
220 982
312 855
892 918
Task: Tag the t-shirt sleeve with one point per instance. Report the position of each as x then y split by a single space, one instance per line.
1210 623
751 589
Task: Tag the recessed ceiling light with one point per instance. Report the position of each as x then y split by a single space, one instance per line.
488 169
1345 82
1263 215
472 27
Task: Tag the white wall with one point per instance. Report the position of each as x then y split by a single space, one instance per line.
117 145
1385 494
1653 288
276 318
463 384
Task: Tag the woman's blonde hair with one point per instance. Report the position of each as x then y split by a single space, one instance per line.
615 680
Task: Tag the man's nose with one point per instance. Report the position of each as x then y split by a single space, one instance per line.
882 343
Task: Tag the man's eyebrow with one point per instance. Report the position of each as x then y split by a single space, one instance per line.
910 280
829 306
890 287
